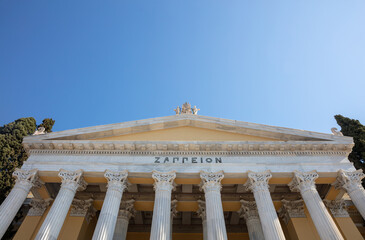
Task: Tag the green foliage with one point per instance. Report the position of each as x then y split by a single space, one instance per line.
353 128
12 153
47 123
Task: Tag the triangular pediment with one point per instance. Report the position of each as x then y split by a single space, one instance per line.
185 133
184 129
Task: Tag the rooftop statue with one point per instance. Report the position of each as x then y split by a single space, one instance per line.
186 109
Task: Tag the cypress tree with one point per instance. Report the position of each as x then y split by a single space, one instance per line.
353 128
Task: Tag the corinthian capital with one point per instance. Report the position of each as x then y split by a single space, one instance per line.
126 210
72 179
349 181
258 181
164 180
303 181
248 210
38 206
117 180
201 210
337 207
211 181
24 176
83 208
292 209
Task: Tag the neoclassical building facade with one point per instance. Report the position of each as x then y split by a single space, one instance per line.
187 177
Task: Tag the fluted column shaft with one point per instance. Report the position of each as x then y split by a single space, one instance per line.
71 182
162 208
211 184
305 183
351 182
125 213
15 199
249 212
105 226
258 184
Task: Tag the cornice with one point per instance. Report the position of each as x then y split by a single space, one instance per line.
185 153
186 148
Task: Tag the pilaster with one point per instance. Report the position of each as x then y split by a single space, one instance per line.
126 211
202 213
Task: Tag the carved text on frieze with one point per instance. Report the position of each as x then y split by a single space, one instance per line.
188 160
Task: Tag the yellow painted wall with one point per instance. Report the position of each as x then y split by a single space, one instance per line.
185 236
300 229
77 228
185 134
348 228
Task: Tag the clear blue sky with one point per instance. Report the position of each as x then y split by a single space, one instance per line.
85 63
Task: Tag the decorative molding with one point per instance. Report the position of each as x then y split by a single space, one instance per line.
38 206
267 148
83 208
164 180
211 181
350 181
337 207
72 179
336 132
303 181
291 209
258 181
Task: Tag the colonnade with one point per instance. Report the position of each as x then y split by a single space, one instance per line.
261 217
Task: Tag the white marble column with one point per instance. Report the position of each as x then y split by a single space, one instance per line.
201 212
304 182
211 184
126 211
164 184
351 182
258 183
72 181
11 205
117 183
173 214
292 209
249 212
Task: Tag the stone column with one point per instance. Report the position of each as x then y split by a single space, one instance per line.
11 205
173 214
211 184
164 184
28 228
351 182
117 183
293 215
71 182
258 183
201 212
126 211
304 182
343 219
249 212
